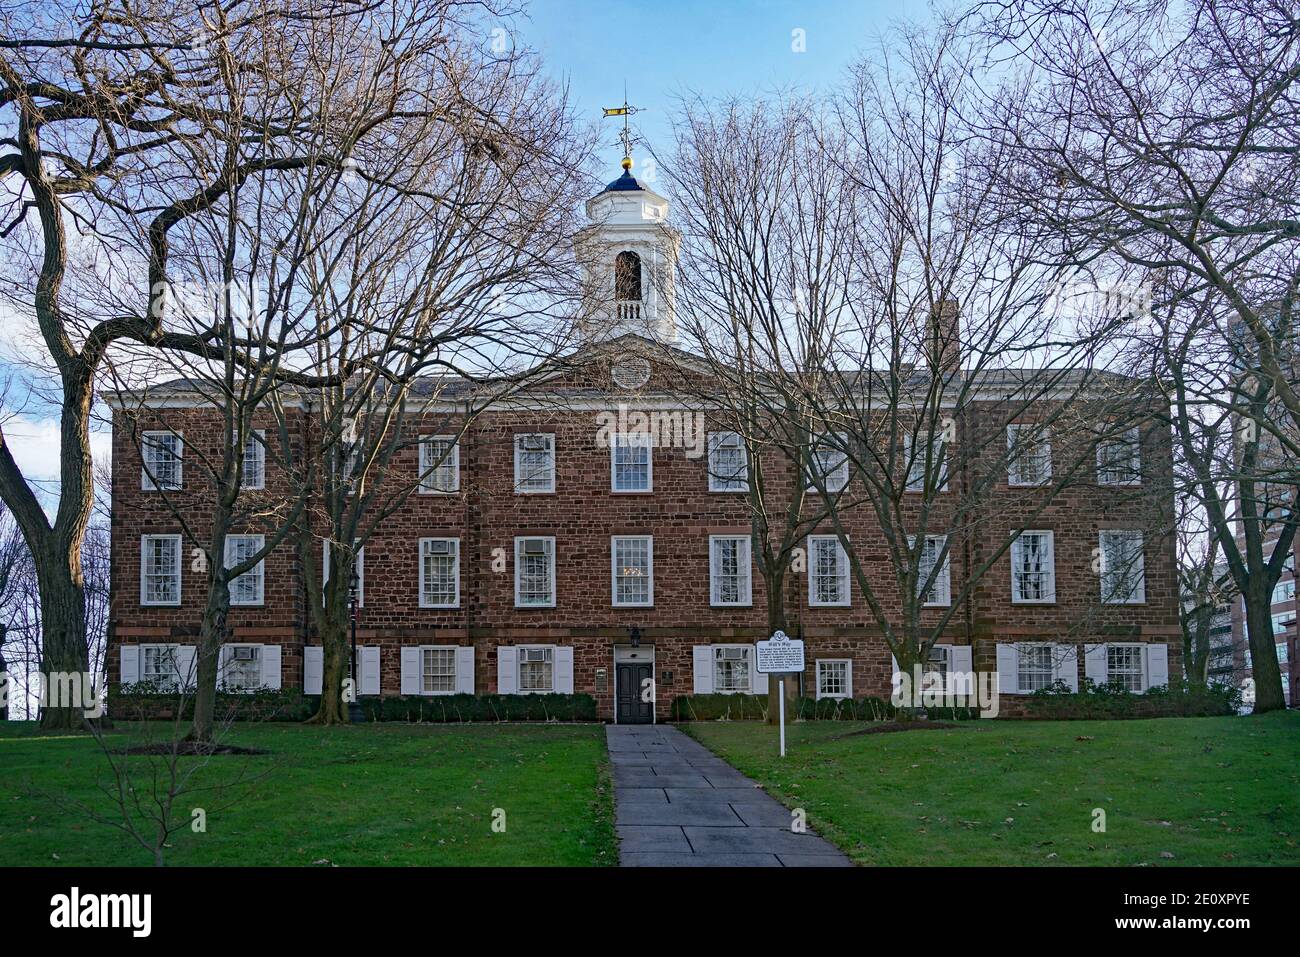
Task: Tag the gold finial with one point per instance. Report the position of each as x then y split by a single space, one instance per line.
626 135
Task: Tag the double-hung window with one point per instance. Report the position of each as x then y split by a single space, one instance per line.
439 572
1036 667
249 587
1033 571
918 469
535 572
534 463
439 464
834 678
630 461
242 667
828 462
632 570
159 667
160 570
1119 460
1123 576
1029 454
358 573
939 594
438 670
729 570
1124 666
731 668
728 465
162 453
828 571
536 669
254 474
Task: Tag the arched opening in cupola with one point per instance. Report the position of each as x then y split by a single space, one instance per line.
627 277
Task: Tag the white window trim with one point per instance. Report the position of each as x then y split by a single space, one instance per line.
908 462
1019 646
714 440
144 540
1044 437
642 440
451 648
944 577
359 568
223 669
841 563
750 660
455 542
175 650
1140 592
555 586
258 570
147 483
427 471
747 600
1050 598
550 443
255 439
650 571
840 473
1143 677
1135 434
519 675
848 679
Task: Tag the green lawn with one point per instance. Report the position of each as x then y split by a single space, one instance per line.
1206 790
369 794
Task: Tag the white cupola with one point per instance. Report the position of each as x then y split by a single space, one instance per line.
629 260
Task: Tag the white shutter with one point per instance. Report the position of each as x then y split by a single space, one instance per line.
130 664
960 661
895 677
368 663
185 666
465 670
1157 670
1065 659
702 664
563 670
313 669
757 680
507 669
1008 669
271 666
1094 663
410 670
223 666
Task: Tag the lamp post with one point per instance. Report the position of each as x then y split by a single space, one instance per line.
355 714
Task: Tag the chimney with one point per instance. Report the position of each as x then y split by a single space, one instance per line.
943 338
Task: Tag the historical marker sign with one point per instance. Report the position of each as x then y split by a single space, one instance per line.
779 654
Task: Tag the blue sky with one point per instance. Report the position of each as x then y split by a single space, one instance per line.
669 47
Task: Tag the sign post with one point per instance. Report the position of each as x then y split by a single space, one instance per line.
780 655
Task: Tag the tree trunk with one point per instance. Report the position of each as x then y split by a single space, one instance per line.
776 621
63 636
334 639
212 632
1263 649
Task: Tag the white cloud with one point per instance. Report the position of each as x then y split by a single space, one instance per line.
34 444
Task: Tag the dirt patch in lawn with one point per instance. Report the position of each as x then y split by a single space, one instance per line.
191 749
885 727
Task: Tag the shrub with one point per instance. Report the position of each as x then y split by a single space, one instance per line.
736 707
147 700
1112 700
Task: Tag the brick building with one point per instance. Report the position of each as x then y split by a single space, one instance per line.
541 557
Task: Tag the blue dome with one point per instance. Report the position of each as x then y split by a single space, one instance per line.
625 183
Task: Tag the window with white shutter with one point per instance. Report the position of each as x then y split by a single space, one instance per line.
1123 576
160 570
1124 666
828 571
439 464
632 570
1033 569
535 572
438 669
536 669
159 666
534 463
1037 669
248 588
439 572
241 668
729 570
731 669
728 465
162 454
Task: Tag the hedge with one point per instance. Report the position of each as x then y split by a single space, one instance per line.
740 707
1176 700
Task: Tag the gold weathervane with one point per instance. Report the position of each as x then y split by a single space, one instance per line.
626 136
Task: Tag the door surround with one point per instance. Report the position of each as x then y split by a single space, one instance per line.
625 654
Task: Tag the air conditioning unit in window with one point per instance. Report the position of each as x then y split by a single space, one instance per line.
534 654
731 654
439 548
534 443
534 546
245 654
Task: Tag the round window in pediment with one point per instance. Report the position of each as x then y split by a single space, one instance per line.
631 372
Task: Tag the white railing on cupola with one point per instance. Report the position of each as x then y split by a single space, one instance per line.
627 310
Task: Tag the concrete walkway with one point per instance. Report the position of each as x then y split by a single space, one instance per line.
678 805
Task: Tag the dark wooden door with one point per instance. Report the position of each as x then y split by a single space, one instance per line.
630 677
